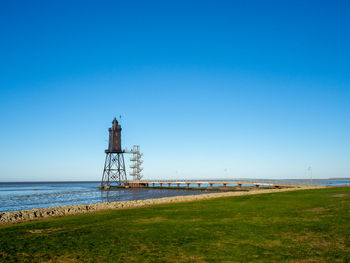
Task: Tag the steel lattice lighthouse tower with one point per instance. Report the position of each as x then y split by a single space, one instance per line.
114 169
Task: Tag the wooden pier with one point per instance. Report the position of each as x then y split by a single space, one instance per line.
197 184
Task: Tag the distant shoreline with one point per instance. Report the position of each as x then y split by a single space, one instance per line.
220 179
48 182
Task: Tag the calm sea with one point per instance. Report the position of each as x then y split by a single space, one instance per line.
19 196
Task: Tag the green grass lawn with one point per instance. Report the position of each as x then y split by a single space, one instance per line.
299 226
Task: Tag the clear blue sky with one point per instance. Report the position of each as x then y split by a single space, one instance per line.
208 89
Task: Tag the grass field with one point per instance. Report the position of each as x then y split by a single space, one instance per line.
298 226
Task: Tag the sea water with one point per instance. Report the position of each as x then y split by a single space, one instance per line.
20 196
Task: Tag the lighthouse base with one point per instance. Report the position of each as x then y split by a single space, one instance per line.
114 172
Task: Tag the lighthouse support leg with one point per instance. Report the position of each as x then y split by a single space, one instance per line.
114 171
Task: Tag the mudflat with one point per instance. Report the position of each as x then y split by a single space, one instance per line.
58 211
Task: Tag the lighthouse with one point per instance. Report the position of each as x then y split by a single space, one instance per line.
114 169
115 134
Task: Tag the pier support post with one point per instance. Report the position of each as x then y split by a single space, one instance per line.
188 185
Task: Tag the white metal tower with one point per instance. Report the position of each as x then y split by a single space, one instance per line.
136 163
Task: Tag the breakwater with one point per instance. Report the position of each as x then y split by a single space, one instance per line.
57 211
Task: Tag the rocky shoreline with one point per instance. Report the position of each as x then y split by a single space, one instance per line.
42 213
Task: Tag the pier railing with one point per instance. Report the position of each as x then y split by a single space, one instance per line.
222 183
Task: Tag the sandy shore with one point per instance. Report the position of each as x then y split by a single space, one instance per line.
42 213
